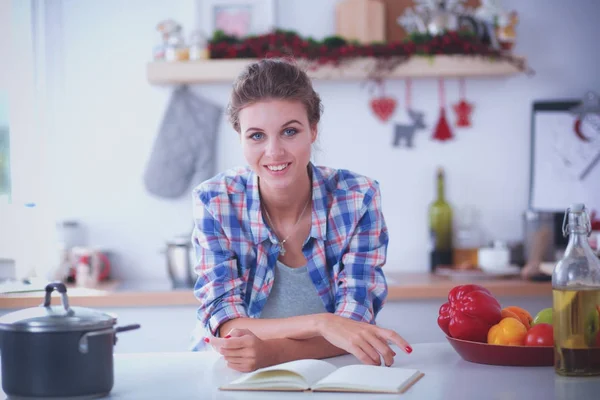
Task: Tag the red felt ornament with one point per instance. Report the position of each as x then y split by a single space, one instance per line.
383 106
463 108
442 130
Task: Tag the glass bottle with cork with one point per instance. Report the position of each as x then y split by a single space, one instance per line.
440 227
576 300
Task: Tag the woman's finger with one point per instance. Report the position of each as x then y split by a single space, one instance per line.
238 332
382 348
391 336
230 343
241 367
243 352
357 351
370 352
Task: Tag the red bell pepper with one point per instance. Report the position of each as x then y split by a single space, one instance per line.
470 312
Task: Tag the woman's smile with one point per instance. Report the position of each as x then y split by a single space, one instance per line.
278 169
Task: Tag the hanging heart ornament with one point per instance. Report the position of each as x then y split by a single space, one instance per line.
383 107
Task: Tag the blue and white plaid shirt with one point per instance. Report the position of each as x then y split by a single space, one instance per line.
236 251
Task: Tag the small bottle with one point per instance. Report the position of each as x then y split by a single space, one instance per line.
467 239
576 300
440 227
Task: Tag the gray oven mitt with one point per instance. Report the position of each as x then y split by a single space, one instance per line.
184 149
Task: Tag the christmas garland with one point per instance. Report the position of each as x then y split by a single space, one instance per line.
335 50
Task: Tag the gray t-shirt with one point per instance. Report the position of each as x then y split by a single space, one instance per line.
293 293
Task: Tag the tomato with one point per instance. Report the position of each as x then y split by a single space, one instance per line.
540 335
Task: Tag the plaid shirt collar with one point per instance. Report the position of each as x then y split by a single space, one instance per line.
261 232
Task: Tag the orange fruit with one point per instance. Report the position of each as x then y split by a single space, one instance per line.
509 314
523 315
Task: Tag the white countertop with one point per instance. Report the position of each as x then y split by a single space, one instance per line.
190 375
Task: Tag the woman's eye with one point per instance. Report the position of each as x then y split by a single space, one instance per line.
290 131
256 136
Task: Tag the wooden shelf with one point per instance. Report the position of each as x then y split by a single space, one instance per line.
225 70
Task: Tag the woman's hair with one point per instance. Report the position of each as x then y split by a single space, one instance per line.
273 79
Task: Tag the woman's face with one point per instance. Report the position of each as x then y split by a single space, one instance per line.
276 138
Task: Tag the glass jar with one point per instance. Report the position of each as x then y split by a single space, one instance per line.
198 46
576 300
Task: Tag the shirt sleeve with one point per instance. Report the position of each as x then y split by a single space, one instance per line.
219 287
361 288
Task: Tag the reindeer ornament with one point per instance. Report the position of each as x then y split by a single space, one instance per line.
406 132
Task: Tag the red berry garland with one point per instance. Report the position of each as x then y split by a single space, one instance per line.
335 50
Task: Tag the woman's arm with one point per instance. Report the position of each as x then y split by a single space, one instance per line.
219 288
294 349
300 327
361 289
244 351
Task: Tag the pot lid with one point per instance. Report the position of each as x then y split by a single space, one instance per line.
46 318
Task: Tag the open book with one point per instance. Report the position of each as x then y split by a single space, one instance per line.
321 376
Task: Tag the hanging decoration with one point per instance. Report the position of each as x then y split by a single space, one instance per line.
463 108
587 123
406 132
442 130
383 106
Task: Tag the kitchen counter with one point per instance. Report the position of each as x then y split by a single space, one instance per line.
401 286
189 375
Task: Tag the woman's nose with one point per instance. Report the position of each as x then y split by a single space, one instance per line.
274 147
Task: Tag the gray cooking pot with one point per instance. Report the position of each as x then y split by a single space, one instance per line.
58 351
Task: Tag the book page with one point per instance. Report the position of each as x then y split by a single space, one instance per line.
301 372
369 378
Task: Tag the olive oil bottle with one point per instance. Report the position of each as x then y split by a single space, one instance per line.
576 300
440 226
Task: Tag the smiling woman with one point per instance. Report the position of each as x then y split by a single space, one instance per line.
289 254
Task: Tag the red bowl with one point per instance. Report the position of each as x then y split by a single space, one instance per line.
493 354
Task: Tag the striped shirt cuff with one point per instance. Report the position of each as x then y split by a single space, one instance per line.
354 311
227 312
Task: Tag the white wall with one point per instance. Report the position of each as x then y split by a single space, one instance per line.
108 116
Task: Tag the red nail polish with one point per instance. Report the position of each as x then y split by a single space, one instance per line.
206 339
408 349
227 337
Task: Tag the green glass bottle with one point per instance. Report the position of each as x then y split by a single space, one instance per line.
440 227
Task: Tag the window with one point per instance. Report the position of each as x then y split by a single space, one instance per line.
5 184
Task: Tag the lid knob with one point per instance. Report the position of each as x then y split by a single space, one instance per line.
62 289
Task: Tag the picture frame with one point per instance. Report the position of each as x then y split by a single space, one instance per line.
237 17
563 168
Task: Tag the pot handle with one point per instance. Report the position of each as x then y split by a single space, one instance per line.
83 341
125 329
62 289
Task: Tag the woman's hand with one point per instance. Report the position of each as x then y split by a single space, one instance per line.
244 351
365 341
